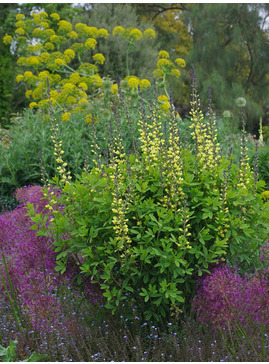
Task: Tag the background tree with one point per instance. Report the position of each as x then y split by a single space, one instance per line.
230 53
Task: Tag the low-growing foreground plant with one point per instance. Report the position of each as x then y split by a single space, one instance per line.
231 304
28 278
8 354
153 217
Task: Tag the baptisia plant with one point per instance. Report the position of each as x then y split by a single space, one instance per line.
146 220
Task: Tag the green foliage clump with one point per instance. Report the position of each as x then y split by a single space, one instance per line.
154 216
28 141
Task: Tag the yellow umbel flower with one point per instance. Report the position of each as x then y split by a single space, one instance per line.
135 34
164 63
44 25
80 28
149 33
83 85
165 106
64 26
70 53
21 61
163 98
20 16
28 75
83 103
28 93
37 93
90 43
74 78
60 62
19 78
7 39
133 82
180 62
144 83
115 89
57 39
118 30
163 54
20 24
96 80
33 105
99 58
43 14
103 33
72 35
66 116
55 16
49 46
175 72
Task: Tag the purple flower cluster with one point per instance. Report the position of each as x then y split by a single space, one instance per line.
31 261
225 298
